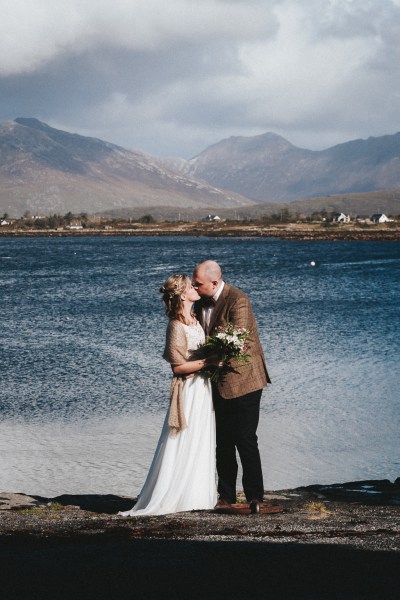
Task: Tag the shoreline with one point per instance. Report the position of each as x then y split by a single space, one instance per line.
330 542
311 513
288 232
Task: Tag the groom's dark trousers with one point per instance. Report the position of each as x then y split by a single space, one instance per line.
236 426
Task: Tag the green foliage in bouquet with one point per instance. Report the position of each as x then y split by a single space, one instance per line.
227 342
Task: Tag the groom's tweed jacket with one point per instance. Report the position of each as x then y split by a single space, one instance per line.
233 306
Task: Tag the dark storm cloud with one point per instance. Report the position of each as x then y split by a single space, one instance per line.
172 78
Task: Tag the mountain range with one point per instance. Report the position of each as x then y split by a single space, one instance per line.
45 170
268 168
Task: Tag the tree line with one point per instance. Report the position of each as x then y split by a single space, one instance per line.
56 220
84 220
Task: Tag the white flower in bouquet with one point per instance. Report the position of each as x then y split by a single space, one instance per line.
227 342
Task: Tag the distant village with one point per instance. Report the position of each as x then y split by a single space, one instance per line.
375 218
82 221
334 218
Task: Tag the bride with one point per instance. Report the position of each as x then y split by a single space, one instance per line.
182 473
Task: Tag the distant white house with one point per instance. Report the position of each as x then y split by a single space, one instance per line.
212 218
4 222
341 218
380 218
74 224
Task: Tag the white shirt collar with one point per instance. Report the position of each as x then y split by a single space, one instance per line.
219 291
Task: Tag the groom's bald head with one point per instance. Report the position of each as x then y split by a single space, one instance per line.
210 269
207 277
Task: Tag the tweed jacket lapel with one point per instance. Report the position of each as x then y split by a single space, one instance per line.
218 309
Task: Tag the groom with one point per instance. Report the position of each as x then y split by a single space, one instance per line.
238 393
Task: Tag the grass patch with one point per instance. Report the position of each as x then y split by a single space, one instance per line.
316 507
55 506
42 510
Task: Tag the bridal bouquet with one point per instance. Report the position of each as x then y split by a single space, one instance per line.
227 342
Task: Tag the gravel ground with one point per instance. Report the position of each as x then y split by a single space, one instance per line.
339 542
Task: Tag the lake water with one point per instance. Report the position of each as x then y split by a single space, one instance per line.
84 389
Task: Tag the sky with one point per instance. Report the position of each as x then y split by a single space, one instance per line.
172 77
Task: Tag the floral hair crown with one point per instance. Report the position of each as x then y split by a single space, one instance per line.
164 290
174 292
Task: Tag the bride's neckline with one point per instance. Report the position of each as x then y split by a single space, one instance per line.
194 324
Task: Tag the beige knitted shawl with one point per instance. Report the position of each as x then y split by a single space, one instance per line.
176 353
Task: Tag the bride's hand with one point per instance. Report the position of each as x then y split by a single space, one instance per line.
214 361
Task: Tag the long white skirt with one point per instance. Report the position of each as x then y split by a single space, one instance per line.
182 474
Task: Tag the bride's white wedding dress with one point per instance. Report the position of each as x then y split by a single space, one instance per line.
182 474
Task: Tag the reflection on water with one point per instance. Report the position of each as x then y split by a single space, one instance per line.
112 455
84 388
96 456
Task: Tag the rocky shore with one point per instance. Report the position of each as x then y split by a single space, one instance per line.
336 541
291 231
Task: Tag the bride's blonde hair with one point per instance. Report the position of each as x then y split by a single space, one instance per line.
172 291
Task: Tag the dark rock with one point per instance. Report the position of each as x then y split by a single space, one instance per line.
378 492
106 503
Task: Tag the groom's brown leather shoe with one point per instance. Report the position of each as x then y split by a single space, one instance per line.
222 503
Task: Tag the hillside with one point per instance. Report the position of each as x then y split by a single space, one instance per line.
268 168
367 203
364 203
44 170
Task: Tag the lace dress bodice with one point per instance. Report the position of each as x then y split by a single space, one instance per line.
195 336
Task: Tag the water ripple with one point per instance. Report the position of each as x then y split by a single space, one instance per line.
84 388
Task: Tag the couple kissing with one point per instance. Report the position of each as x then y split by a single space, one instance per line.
207 421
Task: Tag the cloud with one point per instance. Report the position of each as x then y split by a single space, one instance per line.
174 77
33 35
